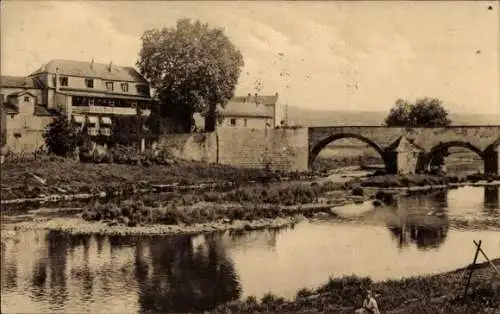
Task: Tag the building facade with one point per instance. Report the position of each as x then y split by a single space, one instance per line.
87 92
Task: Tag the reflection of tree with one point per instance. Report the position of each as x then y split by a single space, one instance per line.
422 220
184 279
439 199
491 197
264 236
424 236
58 245
9 270
39 276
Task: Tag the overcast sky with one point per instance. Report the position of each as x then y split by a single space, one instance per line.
339 55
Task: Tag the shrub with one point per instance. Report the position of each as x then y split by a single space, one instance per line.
304 293
62 137
358 191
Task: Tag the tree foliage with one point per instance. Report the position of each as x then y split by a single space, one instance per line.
192 68
426 112
62 137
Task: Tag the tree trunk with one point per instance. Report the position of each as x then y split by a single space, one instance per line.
211 120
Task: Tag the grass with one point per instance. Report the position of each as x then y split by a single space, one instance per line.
136 213
423 294
70 177
245 203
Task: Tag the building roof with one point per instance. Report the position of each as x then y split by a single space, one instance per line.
10 109
260 99
44 111
16 81
91 70
16 94
402 144
244 109
39 110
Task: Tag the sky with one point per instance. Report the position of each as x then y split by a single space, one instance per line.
319 55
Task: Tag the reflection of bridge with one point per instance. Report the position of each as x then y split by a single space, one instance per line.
409 150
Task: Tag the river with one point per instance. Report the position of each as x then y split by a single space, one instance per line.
46 271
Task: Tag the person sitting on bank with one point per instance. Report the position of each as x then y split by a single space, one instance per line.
369 305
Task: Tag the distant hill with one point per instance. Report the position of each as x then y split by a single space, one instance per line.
308 117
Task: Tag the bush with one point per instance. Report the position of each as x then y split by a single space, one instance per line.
304 293
62 137
358 191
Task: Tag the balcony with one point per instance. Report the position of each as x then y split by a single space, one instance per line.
107 110
105 131
93 131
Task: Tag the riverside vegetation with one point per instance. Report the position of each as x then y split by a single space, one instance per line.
439 293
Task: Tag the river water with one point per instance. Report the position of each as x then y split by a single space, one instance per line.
52 272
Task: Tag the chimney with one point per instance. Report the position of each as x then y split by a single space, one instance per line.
249 97
92 64
110 65
256 98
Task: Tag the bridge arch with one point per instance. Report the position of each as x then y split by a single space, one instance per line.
442 147
493 146
316 149
491 157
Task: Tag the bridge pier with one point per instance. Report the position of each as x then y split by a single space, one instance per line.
402 157
492 160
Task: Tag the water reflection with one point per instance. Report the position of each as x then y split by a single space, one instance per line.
53 272
186 277
422 221
491 197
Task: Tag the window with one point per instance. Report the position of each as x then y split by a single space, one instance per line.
125 87
89 83
63 81
26 99
233 122
142 89
245 122
109 86
111 102
79 101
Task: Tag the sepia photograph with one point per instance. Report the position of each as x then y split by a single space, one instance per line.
250 157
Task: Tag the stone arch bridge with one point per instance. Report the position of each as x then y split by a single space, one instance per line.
410 150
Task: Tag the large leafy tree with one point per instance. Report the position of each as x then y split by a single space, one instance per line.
62 137
425 112
192 68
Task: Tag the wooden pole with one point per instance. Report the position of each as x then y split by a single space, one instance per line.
478 247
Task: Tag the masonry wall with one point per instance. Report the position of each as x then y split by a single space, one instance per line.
277 149
194 146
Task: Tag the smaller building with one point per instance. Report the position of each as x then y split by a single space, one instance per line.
269 102
244 115
403 156
24 122
251 111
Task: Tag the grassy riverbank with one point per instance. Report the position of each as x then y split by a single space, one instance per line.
63 176
420 295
